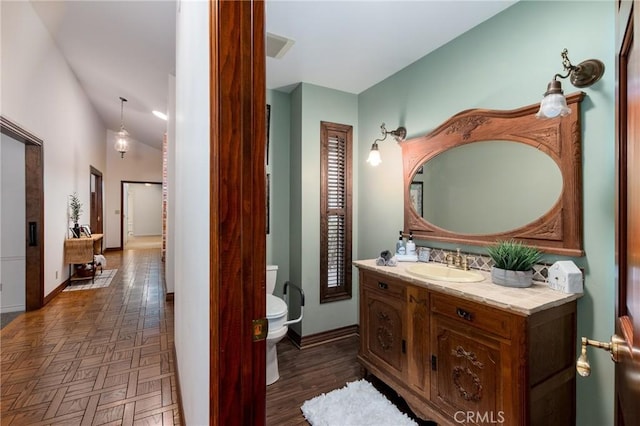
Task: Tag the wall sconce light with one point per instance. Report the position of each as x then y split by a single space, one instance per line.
374 155
582 75
122 137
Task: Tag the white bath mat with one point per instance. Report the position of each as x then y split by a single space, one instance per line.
102 280
356 404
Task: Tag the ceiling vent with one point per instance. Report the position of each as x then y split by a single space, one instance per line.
277 45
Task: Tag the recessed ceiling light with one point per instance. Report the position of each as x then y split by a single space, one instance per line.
160 115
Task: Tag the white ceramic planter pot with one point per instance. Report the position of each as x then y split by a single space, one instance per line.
507 278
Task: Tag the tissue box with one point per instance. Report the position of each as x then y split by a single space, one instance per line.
565 276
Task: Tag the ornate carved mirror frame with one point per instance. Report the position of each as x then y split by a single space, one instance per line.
557 231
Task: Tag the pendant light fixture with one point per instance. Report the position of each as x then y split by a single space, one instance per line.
122 137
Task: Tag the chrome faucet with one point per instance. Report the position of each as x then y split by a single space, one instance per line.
457 260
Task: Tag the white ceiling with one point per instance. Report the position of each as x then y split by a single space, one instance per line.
127 48
352 45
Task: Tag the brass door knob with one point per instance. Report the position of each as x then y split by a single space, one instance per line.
613 347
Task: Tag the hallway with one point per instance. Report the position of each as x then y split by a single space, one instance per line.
95 357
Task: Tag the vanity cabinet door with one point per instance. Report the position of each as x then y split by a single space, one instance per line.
465 372
382 331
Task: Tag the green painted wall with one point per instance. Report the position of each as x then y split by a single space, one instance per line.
310 105
278 171
506 63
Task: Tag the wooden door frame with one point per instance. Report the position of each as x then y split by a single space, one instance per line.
237 375
122 183
625 27
99 203
34 211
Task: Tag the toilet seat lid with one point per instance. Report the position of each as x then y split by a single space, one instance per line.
275 307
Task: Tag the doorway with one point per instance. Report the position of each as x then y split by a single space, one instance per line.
12 224
95 200
33 213
141 215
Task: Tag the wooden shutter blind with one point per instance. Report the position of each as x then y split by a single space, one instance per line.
335 212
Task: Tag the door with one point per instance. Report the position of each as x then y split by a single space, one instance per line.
627 370
34 212
129 215
384 335
466 371
237 371
12 225
95 201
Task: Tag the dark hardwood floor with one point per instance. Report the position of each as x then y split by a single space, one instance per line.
94 357
307 373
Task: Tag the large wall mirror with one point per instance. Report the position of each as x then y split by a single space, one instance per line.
486 175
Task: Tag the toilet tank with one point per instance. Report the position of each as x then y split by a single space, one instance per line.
272 274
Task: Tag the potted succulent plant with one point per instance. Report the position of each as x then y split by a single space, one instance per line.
75 207
513 263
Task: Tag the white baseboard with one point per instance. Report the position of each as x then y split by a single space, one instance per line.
12 308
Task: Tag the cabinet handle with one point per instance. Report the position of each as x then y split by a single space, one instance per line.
383 286
464 314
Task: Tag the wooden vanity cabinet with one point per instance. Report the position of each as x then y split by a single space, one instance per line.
383 308
457 361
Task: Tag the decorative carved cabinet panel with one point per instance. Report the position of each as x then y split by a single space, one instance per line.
467 367
459 361
383 310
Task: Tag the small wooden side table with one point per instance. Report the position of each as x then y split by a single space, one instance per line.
81 251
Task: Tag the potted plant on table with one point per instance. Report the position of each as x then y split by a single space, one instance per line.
75 207
513 263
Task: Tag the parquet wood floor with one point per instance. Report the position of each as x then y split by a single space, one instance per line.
94 357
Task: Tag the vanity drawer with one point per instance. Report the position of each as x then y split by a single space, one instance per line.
474 314
382 284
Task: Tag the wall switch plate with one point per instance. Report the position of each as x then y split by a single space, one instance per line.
565 276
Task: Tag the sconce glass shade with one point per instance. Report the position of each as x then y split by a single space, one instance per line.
552 106
122 142
374 156
584 74
553 103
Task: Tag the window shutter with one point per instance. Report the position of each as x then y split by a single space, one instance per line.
335 261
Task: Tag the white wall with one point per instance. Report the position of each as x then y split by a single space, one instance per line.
191 202
142 163
147 205
12 225
169 265
42 94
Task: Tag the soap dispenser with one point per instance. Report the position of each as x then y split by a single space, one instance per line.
400 245
411 246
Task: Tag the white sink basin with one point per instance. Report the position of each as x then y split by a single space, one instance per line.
443 273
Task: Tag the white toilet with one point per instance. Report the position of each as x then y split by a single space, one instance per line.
278 324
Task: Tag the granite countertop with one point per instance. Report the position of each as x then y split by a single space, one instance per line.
524 301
